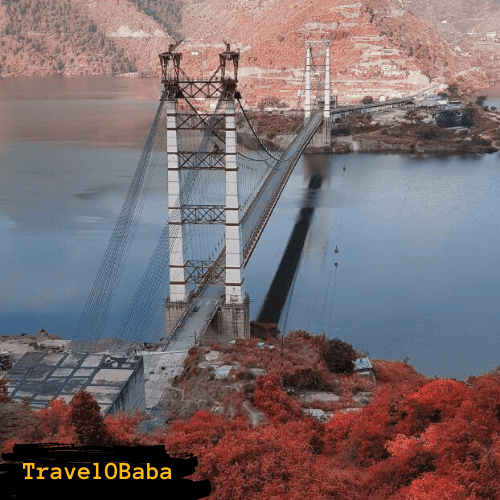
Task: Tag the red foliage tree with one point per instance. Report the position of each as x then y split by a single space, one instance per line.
55 424
434 402
430 487
122 430
85 416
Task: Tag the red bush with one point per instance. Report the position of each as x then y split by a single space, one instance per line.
272 400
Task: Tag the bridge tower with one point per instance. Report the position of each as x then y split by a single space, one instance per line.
231 319
322 138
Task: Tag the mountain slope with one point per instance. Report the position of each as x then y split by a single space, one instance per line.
471 27
376 47
43 37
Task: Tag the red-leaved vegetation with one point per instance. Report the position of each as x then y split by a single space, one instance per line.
418 439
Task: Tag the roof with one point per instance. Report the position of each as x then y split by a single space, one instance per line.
362 364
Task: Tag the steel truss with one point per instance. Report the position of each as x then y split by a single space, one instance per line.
203 214
221 86
196 161
197 271
192 121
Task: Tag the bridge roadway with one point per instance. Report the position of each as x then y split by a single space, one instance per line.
374 106
196 320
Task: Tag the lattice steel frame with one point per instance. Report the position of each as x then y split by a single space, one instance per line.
195 161
203 214
194 121
197 271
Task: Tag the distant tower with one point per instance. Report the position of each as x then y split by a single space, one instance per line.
326 111
308 83
322 138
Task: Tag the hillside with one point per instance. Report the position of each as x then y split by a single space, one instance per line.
377 48
472 28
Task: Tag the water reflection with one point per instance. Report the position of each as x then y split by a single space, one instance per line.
417 267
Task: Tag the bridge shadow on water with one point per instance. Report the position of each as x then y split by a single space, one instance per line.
277 294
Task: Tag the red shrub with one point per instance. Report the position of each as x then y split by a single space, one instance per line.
437 400
54 424
122 429
272 400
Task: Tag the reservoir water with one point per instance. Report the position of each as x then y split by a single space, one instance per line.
418 265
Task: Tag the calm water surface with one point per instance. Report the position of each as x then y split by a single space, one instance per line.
418 238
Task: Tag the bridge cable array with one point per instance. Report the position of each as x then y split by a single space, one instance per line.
96 308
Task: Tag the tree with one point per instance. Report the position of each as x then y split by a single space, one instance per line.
85 416
4 395
451 118
453 89
480 99
368 99
339 355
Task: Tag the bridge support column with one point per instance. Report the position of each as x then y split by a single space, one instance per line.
323 136
177 304
231 322
174 311
234 270
177 263
326 111
234 318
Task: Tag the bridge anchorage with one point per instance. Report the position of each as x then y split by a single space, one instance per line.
197 283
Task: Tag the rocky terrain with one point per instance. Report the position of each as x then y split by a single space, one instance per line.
471 28
224 378
12 347
421 131
377 47
277 418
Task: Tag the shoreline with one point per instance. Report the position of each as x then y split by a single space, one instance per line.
402 133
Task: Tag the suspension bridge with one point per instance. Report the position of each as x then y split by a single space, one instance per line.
223 182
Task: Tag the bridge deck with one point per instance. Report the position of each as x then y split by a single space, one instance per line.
161 367
196 321
259 211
